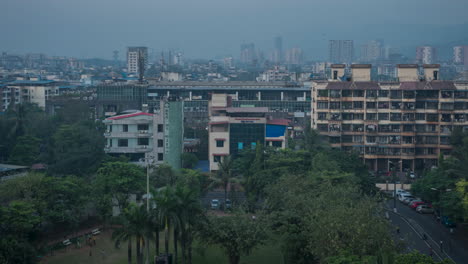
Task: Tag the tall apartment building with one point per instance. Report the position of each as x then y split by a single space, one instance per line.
277 55
232 129
138 135
372 51
134 54
294 56
460 55
408 122
34 91
341 51
426 55
248 55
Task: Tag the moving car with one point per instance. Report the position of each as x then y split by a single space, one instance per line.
425 209
448 222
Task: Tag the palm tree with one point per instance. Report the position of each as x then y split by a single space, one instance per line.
188 212
225 174
166 213
135 224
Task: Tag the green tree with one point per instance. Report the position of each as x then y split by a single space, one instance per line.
189 160
18 231
76 149
237 235
225 174
114 184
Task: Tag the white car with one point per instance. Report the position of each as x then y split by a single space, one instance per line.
412 175
424 209
214 204
403 196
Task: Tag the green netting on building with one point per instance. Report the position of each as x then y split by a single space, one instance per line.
174 116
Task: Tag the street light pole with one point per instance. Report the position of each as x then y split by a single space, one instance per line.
148 159
392 170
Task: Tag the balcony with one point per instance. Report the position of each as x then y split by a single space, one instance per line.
137 149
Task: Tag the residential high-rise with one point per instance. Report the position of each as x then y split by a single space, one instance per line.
341 51
406 123
372 51
294 56
248 55
426 55
460 55
137 57
277 55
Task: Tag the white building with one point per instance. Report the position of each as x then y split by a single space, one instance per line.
133 56
28 91
426 55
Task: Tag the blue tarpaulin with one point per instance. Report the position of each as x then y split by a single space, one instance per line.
275 130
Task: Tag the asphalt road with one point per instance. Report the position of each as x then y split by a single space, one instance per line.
412 227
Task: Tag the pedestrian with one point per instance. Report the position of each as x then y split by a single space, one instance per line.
94 240
441 246
398 230
431 253
451 230
90 253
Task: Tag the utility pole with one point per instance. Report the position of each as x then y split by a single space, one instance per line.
148 159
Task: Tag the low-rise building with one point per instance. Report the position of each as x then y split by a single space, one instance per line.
152 136
233 129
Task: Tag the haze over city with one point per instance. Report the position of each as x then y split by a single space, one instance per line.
214 28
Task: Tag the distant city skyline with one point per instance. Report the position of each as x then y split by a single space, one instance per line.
204 28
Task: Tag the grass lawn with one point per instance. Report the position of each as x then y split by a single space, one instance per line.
269 253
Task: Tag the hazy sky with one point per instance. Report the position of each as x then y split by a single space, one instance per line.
209 28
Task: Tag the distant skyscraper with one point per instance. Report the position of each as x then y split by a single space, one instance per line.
248 55
426 55
277 56
134 54
372 51
294 56
460 55
341 51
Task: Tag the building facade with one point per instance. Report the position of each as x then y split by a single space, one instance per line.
407 122
134 55
426 55
341 51
154 136
233 129
34 91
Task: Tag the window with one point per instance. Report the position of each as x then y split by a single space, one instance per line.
109 128
335 75
420 116
322 116
277 144
143 141
334 105
371 93
347 105
160 128
358 93
371 105
322 127
219 143
370 116
370 139
322 105
335 93
160 143
358 105
160 156
143 127
217 159
323 93
123 142
383 105
383 93
124 128
383 116
432 117
346 93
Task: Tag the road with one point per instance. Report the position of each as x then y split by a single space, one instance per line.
414 225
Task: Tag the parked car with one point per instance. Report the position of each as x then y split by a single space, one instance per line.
227 204
214 204
415 204
403 196
425 209
408 199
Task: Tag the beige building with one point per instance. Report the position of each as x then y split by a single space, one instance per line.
234 129
406 123
28 91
